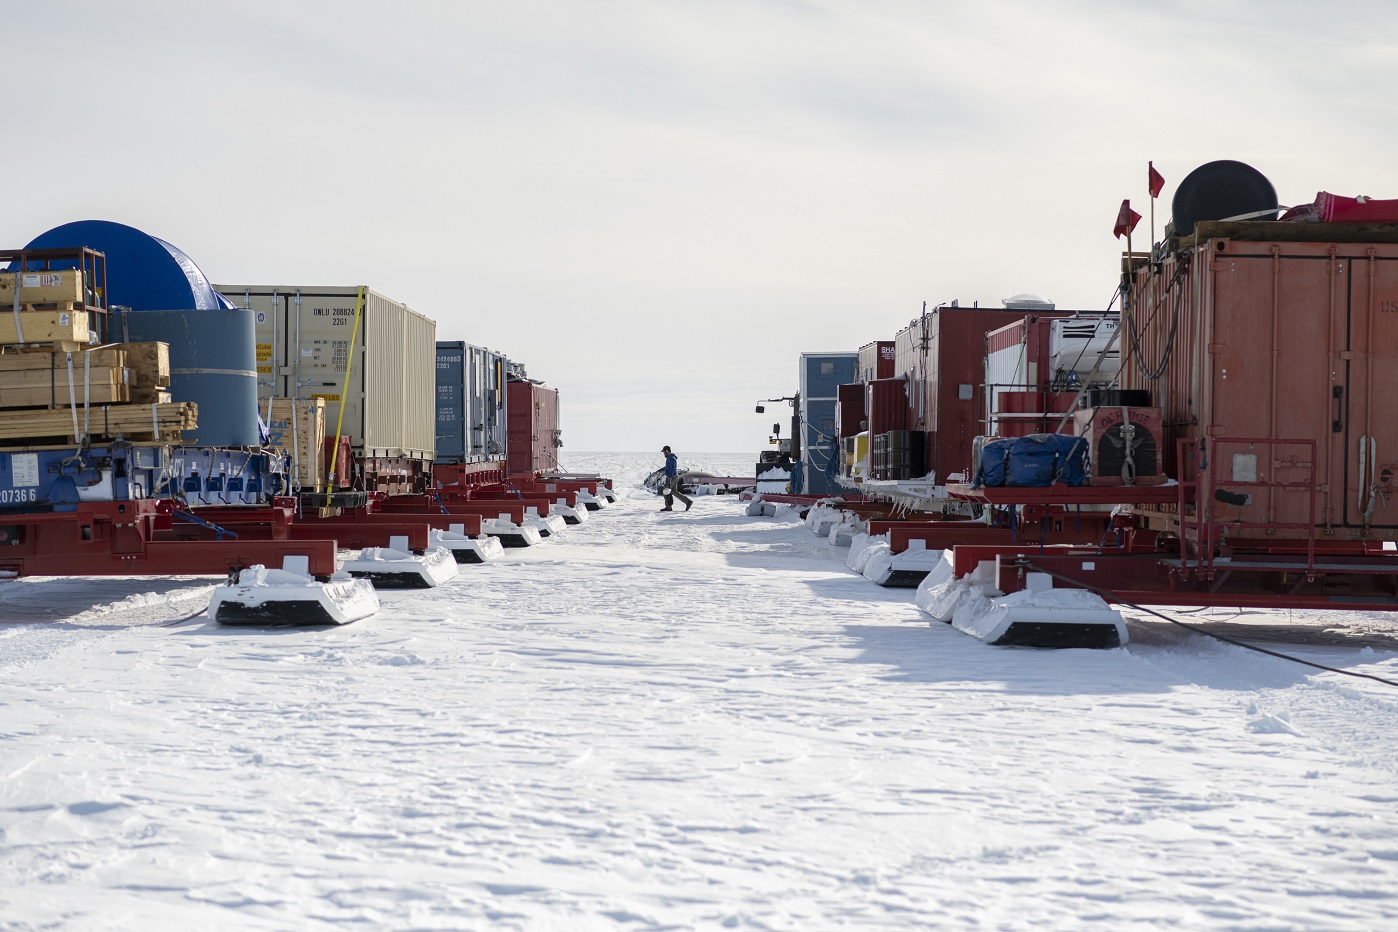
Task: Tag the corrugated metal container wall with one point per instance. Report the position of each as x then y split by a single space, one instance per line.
956 373
1019 364
486 438
1283 333
821 376
876 360
851 412
453 397
305 333
888 405
1006 367
533 428
910 362
943 352
821 454
550 429
823 373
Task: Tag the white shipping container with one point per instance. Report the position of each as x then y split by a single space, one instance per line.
304 334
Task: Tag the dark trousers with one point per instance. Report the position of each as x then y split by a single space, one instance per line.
672 492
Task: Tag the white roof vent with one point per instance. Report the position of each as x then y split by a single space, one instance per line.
1025 301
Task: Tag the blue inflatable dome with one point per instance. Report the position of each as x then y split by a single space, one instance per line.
144 273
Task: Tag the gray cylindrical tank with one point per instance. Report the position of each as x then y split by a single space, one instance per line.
213 362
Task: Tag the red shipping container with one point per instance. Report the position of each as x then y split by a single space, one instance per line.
533 435
1281 334
1021 413
850 412
888 406
876 361
943 353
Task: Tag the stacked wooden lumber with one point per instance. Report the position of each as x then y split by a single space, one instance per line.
115 373
65 389
25 426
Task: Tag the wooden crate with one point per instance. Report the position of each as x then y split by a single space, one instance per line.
63 286
150 369
44 326
297 426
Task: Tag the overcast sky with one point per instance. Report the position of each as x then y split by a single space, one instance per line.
657 206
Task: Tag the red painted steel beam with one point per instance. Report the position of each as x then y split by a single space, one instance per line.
1155 579
883 525
1067 495
467 474
471 524
482 509
88 542
593 486
347 535
952 534
570 498
367 535
787 498
537 502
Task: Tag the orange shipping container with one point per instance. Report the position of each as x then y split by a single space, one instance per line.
1256 333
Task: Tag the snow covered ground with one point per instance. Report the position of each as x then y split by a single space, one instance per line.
672 721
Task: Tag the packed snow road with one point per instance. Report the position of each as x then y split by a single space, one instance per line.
672 721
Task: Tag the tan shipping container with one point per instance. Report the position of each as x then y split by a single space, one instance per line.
304 334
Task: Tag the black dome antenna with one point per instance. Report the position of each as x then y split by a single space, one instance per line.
1222 190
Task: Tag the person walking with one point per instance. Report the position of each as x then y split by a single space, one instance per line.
672 482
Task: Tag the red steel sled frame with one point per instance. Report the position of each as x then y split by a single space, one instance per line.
467 474
124 539
373 525
1204 560
1029 526
278 522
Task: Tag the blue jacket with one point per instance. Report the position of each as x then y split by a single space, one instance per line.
672 464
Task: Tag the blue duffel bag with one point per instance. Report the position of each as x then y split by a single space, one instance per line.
1040 460
991 468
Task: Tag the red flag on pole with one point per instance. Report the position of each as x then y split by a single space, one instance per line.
1126 220
1154 180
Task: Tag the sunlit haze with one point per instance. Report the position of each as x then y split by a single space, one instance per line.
657 206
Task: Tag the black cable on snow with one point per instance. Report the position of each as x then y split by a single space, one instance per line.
1106 594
